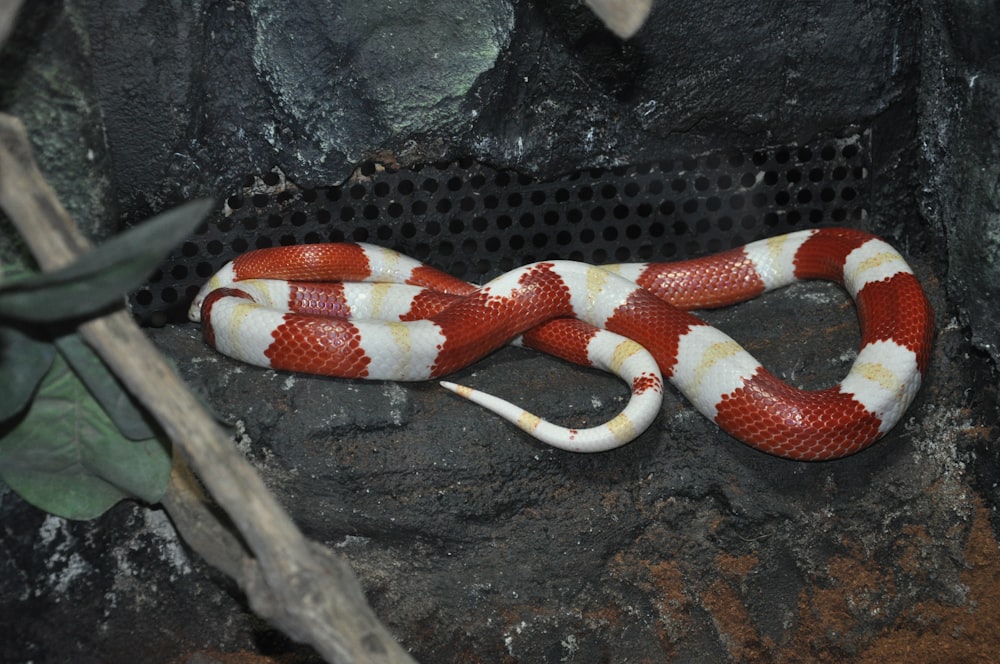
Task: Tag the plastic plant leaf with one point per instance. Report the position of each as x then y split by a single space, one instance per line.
130 418
24 360
99 279
66 456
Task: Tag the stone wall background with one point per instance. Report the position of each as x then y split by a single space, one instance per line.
478 545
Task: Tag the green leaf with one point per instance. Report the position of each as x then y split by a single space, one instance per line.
66 456
23 362
100 278
131 419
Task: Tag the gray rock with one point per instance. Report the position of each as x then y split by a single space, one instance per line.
962 153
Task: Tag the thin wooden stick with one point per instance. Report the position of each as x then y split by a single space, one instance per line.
8 15
622 17
306 591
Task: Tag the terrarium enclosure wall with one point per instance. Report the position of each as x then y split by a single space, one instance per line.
479 136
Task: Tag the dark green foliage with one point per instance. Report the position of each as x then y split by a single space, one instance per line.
73 441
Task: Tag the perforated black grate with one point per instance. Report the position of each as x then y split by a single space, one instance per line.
476 222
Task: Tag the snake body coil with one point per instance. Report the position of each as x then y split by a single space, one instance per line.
298 308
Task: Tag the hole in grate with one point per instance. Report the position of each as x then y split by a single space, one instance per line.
476 222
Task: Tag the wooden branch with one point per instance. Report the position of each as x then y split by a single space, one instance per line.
305 590
622 17
8 16
201 526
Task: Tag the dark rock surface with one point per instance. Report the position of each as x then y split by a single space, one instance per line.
538 86
473 542
962 148
77 591
46 81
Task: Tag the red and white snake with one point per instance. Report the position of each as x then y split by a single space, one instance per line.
359 311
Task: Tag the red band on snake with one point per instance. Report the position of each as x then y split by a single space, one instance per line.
299 319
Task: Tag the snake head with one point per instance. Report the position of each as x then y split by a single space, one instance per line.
224 277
